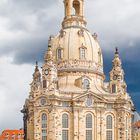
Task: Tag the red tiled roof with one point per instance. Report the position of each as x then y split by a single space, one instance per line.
9 133
137 124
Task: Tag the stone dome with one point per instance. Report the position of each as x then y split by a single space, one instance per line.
71 41
75 48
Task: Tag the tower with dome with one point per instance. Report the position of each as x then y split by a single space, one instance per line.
69 98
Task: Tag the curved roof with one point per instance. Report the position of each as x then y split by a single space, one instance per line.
70 40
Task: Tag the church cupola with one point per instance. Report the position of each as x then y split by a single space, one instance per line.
49 70
117 83
36 83
74 13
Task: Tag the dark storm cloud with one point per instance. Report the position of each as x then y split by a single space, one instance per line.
25 52
29 23
34 51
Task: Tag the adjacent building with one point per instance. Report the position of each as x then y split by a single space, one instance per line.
136 126
69 98
12 135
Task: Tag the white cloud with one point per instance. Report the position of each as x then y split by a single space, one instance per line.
14 88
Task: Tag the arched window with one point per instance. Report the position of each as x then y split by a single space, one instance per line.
82 53
44 126
109 128
76 8
86 84
65 127
88 127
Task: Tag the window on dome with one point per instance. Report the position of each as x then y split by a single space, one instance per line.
109 128
88 127
86 84
65 126
44 126
82 53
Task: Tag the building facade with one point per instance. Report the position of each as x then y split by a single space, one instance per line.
136 131
136 126
69 98
12 135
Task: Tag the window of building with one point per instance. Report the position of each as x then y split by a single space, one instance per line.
76 8
114 88
59 53
44 126
86 84
13 137
65 104
44 84
82 53
65 127
126 126
88 127
109 128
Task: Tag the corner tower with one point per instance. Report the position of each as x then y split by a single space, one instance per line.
117 82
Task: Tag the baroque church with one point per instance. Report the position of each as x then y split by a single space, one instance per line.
69 98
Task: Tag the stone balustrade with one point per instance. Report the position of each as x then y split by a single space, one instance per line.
79 65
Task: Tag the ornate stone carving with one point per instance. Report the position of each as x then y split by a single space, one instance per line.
79 65
62 33
81 32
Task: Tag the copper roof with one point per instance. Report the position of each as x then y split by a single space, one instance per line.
137 124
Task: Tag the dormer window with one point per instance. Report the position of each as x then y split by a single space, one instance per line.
86 84
59 53
83 52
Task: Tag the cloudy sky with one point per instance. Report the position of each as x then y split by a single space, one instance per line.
25 26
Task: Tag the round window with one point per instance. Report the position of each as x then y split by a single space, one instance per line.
43 101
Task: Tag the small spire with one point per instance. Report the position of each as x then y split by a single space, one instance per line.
36 67
36 74
116 50
36 63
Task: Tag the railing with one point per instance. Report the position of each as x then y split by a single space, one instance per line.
79 65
